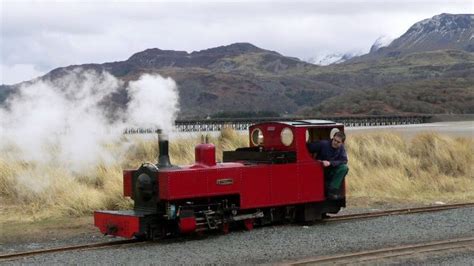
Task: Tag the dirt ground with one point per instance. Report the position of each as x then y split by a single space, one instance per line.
54 229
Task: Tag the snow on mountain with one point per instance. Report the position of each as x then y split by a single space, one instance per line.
382 41
328 59
444 31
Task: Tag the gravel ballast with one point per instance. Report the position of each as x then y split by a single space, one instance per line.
281 243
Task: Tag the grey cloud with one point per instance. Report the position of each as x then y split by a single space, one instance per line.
53 34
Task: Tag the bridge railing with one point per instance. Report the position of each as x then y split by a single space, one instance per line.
191 125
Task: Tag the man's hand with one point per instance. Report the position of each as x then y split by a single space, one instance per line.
326 163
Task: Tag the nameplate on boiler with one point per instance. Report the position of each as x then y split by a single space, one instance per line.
225 181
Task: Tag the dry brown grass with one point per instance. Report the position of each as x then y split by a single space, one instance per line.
35 191
431 167
384 167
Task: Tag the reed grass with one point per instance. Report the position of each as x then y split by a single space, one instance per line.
430 167
383 167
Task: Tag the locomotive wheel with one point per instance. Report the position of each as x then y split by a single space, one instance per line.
225 228
141 237
248 223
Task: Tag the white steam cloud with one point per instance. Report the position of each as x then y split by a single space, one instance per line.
144 110
69 116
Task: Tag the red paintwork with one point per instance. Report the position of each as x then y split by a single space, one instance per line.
205 154
225 228
187 225
126 225
248 224
199 181
271 135
260 185
127 183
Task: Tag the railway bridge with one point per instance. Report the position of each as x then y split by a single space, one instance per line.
204 125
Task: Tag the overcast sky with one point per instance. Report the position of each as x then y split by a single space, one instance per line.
38 36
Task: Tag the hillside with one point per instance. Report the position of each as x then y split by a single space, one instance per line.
441 32
236 77
429 69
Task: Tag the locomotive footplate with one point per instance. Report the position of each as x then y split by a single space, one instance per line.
126 223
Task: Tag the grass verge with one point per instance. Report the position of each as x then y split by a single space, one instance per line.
383 168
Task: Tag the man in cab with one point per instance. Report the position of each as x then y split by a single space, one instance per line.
333 157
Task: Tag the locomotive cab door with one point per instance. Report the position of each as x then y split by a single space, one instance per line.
316 134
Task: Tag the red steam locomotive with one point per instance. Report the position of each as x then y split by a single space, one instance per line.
275 179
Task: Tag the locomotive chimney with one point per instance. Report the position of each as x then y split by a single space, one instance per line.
163 157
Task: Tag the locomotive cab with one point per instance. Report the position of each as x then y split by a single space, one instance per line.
284 145
282 142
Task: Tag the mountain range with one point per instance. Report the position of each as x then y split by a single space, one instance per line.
429 69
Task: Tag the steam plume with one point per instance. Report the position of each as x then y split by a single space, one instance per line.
65 124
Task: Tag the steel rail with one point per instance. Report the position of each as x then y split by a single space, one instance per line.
390 252
397 212
67 248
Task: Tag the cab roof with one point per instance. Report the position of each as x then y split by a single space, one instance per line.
302 123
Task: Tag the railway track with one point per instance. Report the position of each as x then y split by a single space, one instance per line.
67 248
392 252
11 256
397 212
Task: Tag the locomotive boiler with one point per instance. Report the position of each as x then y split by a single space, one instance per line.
275 179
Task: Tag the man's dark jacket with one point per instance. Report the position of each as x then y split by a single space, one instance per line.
325 152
